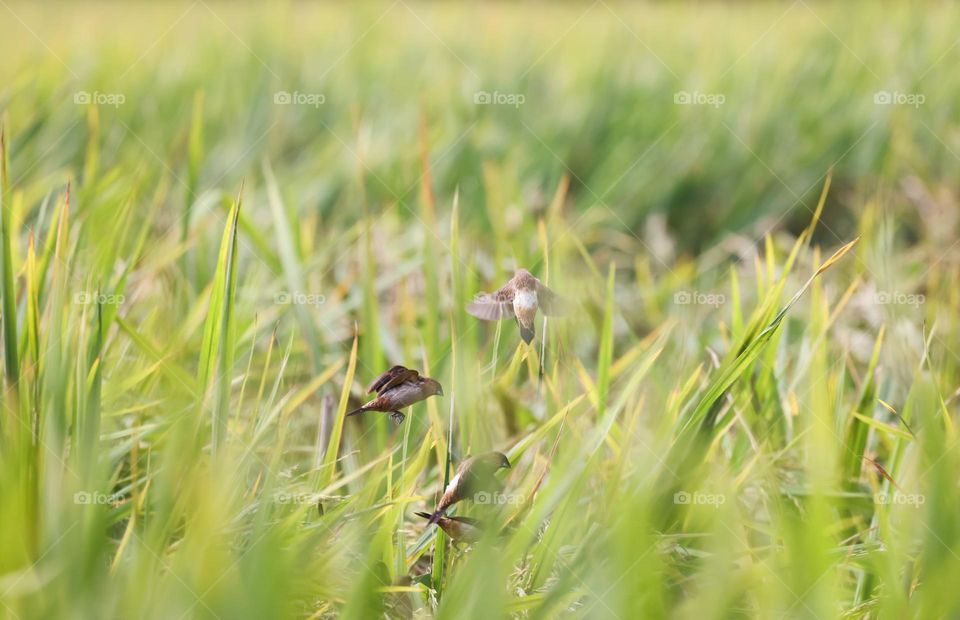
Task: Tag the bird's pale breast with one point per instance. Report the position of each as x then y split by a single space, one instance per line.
406 394
525 306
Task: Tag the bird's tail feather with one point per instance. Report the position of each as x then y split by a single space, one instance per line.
435 517
356 411
527 334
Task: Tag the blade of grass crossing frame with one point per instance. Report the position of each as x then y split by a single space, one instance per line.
440 542
11 358
330 457
90 421
605 357
858 430
219 340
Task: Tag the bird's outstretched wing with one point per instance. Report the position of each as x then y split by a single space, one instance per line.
551 304
493 306
392 378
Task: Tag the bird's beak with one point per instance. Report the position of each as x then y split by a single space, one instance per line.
439 391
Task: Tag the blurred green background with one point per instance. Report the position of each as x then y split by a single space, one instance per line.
798 83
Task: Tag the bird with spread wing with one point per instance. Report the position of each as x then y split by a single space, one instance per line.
397 388
519 298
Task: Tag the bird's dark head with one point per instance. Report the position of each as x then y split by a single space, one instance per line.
495 460
523 279
433 387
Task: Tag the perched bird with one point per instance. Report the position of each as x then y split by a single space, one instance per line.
397 388
473 477
459 529
520 298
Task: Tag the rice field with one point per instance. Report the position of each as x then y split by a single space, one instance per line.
219 223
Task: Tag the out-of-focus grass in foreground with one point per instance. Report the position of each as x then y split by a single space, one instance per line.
218 223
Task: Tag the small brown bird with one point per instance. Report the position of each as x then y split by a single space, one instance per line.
474 476
397 388
459 529
520 298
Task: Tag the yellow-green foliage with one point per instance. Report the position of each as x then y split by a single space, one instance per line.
219 222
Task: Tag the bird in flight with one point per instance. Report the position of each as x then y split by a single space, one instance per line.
459 529
474 480
521 297
397 388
